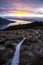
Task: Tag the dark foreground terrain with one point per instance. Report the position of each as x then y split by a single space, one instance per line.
31 52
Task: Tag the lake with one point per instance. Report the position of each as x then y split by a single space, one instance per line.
18 22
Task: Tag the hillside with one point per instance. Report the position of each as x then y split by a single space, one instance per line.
33 25
4 21
31 51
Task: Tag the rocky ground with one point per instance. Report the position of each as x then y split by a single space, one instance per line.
31 52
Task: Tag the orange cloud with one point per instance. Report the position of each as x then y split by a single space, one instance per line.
19 12
19 7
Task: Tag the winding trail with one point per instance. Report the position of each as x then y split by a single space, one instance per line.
15 60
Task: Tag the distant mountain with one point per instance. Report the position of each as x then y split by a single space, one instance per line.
4 23
34 25
25 18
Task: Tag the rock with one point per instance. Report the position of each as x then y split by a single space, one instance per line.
2 48
31 53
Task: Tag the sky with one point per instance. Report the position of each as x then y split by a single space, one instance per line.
31 8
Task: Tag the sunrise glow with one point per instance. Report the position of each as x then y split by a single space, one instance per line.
29 8
21 12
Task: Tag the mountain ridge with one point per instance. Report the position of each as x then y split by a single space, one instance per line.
34 24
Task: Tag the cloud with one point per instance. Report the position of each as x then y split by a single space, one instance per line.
10 10
13 3
39 11
29 6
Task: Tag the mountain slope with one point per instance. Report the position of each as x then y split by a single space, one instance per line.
26 26
4 23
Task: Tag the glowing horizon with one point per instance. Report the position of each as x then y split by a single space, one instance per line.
23 15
